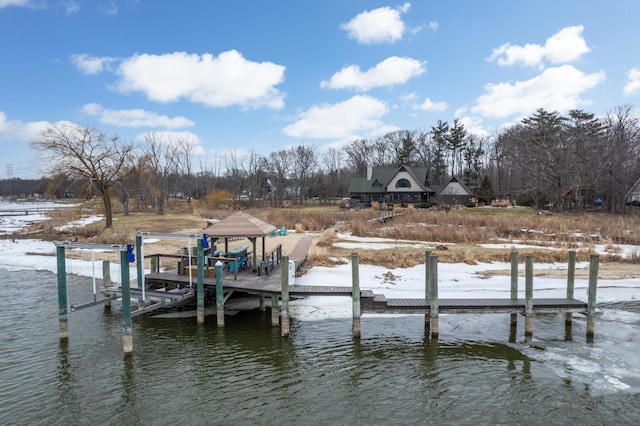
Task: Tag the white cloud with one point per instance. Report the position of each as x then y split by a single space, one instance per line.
391 71
7 3
382 25
555 89
226 80
176 140
429 105
21 131
135 117
433 25
71 7
473 125
110 9
633 86
92 65
565 46
342 120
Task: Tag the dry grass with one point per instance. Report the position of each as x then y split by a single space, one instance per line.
460 231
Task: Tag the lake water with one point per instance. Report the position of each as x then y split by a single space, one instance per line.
477 373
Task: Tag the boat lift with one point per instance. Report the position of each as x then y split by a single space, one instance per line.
126 256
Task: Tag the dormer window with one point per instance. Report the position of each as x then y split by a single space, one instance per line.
403 183
377 183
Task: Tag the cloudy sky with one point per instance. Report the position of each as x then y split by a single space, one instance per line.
256 75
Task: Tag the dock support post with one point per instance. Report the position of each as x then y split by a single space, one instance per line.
514 283
106 273
434 310
528 309
355 294
262 304
140 269
571 275
106 279
200 288
219 295
427 286
127 336
284 315
275 311
591 300
63 323
154 264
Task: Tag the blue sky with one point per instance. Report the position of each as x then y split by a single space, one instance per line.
241 76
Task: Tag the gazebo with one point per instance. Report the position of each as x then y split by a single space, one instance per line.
240 225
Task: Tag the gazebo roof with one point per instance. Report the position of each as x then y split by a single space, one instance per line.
240 224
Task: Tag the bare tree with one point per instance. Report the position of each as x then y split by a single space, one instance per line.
305 166
359 155
235 172
87 153
279 164
162 160
619 160
256 170
183 151
333 162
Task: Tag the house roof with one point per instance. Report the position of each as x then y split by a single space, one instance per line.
240 224
459 182
381 176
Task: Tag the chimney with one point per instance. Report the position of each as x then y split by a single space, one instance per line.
369 172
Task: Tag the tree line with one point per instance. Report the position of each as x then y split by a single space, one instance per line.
547 159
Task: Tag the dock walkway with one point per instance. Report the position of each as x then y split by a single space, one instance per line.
371 302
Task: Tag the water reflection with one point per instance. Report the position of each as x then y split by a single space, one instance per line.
479 371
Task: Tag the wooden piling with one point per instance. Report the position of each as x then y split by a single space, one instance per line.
591 297
427 286
275 311
355 294
262 303
140 269
106 279
433 306
284 314
154 264
528 309
514 283
571 276
106 273
219 296
200 288
63 324
127 336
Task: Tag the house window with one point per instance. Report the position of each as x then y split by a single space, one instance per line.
403 183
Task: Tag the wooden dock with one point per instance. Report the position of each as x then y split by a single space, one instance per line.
371 302
165 290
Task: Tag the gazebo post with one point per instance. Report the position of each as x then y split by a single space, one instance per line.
255 254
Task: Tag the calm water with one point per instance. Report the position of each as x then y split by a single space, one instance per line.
476 373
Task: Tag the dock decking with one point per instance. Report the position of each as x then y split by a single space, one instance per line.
371 302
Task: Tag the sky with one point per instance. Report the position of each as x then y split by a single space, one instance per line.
235 77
